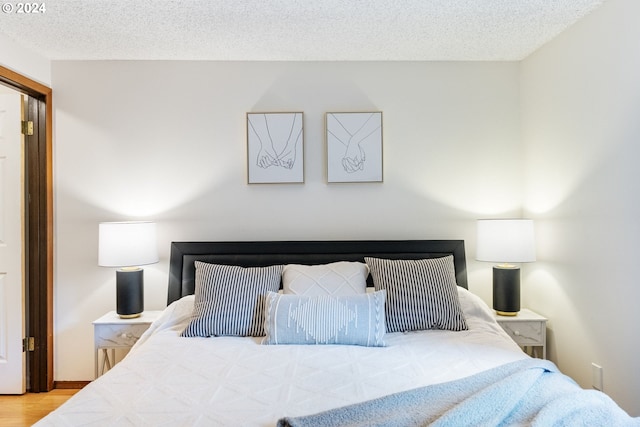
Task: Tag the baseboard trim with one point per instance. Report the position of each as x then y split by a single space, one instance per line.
74 385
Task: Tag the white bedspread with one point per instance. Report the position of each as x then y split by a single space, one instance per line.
173 381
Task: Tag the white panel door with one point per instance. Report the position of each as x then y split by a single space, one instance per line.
12 328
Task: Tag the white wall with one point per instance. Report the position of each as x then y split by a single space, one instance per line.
21 60
167 141
581 106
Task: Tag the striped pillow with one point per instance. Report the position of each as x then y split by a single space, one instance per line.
229 300
324 319
421 294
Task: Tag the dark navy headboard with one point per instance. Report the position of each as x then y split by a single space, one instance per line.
260 254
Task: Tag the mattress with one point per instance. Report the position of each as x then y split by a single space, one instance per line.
170 380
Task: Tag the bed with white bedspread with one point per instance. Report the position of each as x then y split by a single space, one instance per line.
209 360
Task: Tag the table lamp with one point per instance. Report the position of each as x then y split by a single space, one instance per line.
128 245
506 241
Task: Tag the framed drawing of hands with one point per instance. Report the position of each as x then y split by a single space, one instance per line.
275 149
354 147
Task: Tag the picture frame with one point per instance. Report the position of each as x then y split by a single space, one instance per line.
354 146
275 147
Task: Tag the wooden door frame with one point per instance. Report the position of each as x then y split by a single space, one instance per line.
41 293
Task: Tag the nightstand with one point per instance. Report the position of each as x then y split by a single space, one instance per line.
527 329
111 332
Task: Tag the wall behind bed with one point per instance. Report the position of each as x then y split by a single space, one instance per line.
167 141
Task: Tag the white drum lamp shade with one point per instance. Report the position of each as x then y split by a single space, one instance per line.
128 245
506 241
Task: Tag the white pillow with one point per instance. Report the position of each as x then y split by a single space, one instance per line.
335 279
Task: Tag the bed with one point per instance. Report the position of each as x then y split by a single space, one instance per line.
367 362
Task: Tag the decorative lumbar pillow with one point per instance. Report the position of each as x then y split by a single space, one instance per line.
421 294
355 319
229 300
337 278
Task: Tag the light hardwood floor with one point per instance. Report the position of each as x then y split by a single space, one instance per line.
25 410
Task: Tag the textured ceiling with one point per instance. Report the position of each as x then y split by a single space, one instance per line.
297 30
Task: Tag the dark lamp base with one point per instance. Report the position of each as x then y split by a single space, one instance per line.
129 293
506 290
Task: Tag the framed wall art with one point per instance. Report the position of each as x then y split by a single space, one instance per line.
354 147
275 148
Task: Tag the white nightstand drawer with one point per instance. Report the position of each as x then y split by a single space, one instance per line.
111 333
527 329
118 335
525 333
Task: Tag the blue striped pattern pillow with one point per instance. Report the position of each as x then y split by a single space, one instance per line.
229 300
325 319
421 294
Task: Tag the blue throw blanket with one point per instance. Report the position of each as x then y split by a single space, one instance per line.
527 392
